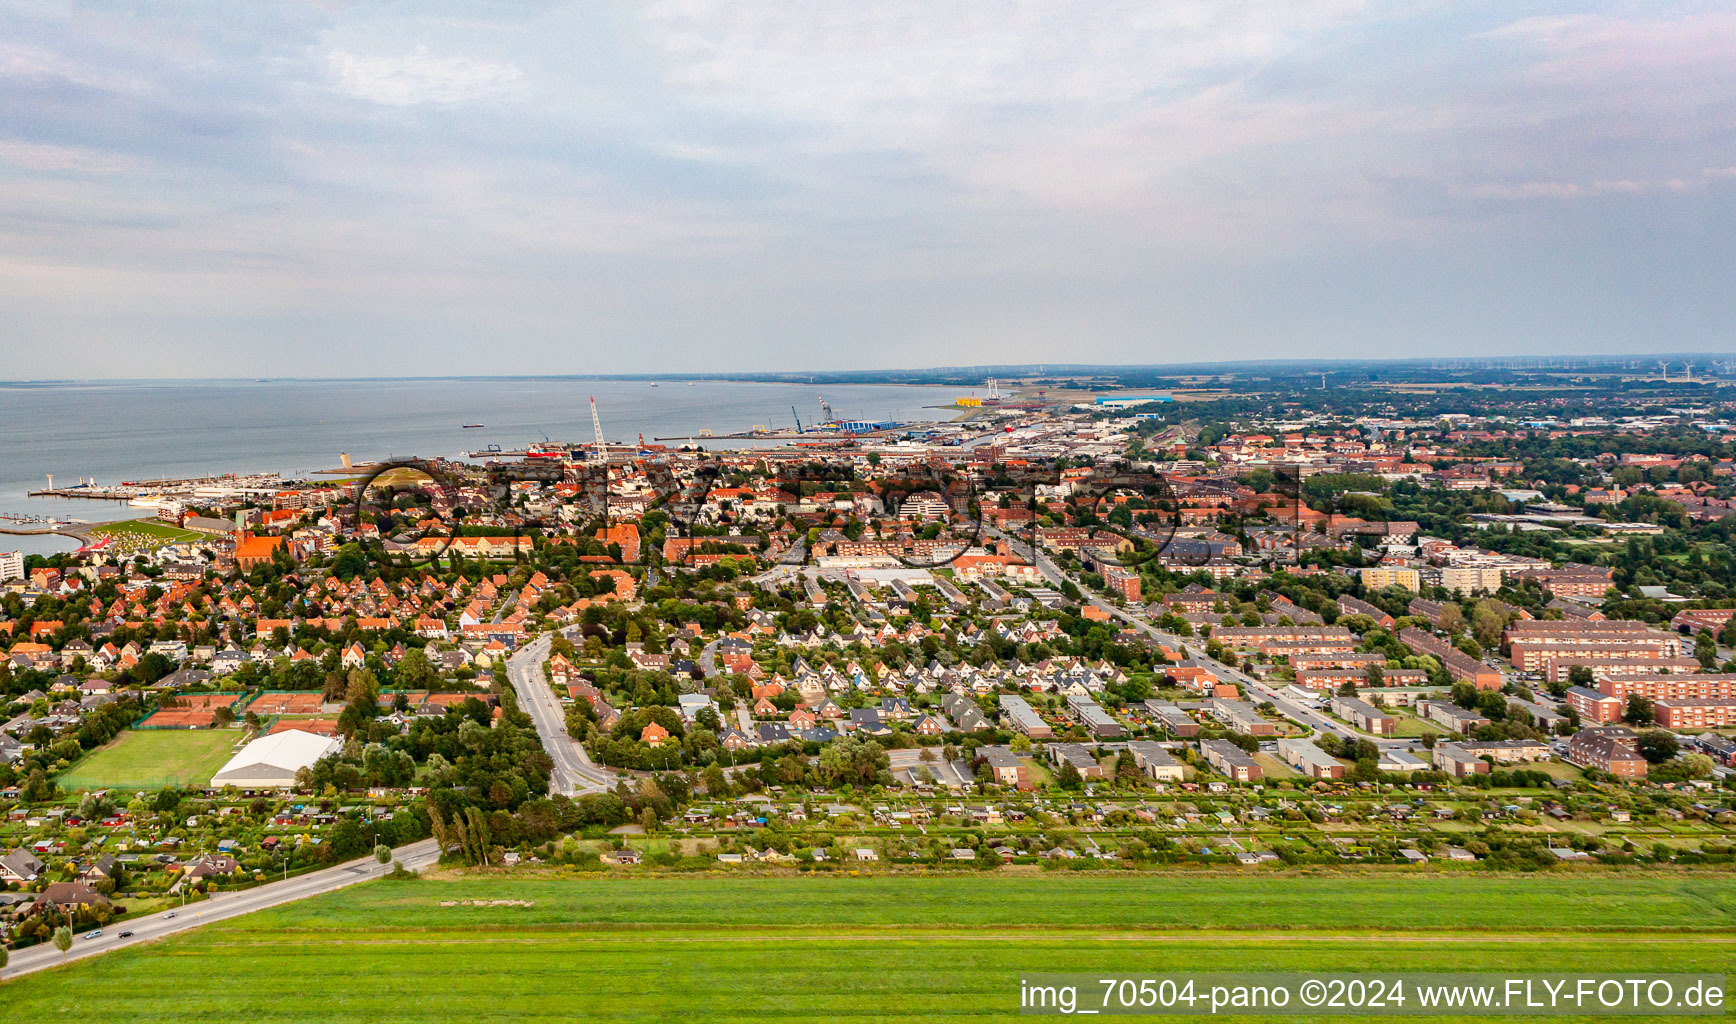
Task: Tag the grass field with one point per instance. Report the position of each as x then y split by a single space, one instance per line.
143 533
1408 726
886 948
153 758
147 528
1273 767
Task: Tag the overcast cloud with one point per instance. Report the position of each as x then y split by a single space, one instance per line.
332 190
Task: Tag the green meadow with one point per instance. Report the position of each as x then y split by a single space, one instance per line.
146 758
874 948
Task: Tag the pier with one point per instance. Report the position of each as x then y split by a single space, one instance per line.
93 493
77 531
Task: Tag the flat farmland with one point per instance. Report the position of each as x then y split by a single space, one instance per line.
944 948
151 758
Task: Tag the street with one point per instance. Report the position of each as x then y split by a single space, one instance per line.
220 907
574 772
1257 690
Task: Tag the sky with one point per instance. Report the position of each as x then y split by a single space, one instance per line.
331 189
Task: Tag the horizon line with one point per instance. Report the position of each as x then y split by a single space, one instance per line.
1030 369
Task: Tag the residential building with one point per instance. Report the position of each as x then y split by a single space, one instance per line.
1231 760
1696 713
1465 580
1172 718
1610 748
1697 686
1155 761
1092 716
1309 759
1594 706
1460 720
1457 761
1077 755
1019 714
1122 581
1462 666
1364 716
1241 716
1007 767
1508 751
1379 577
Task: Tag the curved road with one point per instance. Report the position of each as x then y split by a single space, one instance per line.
220 907
574 772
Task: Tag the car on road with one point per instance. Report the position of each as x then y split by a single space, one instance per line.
168 915
93 934
126 934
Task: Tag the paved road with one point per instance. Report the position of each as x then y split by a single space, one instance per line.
1259 690
708 660
220 907
574 771
506 605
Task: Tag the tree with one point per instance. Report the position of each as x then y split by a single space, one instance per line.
414 671
1348 689
1694 766
63 939
716 783
1376 676
37 787
1657 746
382 853
1126 770
1706 650
3 958
1640 710
1487 622
1069 778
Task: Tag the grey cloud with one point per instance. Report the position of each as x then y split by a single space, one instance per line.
743 184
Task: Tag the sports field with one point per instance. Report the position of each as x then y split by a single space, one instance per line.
827 949
152 759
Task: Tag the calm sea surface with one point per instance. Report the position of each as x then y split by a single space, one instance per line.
144 430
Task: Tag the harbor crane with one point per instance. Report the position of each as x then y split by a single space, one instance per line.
798 417
600 454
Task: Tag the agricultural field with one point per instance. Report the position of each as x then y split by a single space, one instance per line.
152 759
796 948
